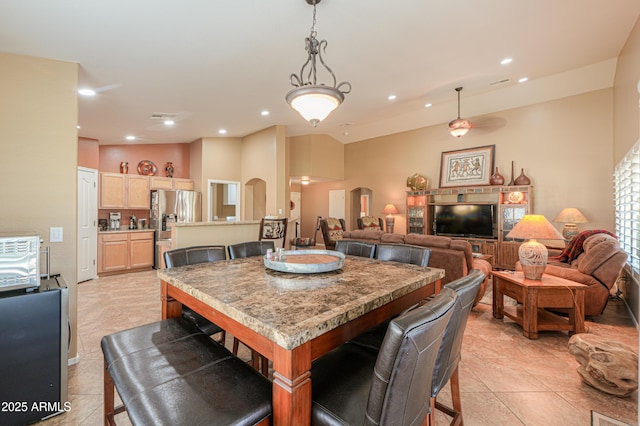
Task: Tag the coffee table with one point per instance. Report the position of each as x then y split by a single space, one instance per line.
535 295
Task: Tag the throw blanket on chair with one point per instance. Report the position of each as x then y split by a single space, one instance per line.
574 248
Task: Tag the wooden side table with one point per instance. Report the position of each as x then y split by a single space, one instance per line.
535 295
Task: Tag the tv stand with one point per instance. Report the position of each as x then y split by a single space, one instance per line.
512 203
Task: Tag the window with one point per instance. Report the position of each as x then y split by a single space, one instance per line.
627 201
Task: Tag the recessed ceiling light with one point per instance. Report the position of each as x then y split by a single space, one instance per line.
87 92
222 131
78 126
131 138
523 79
169 122
506 61
392 97
427 105
264 113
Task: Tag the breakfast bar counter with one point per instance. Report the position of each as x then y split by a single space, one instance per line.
292 319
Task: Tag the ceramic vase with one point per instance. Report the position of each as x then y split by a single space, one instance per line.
522 179
124 167
496 178
169 169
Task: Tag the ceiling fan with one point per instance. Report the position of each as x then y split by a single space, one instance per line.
460 126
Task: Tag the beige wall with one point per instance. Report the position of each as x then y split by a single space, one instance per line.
265 157
317 156
217 159
38 118
627 113
565 147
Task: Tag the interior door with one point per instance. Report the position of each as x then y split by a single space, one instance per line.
87 223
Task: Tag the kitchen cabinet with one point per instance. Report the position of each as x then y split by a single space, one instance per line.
138 192
121 191
124 251
158 182
112 191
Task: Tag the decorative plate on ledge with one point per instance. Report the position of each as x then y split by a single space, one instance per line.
307 261
147 168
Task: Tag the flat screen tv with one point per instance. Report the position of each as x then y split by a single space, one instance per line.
464 220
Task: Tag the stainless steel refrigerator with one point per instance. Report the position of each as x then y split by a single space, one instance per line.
172 207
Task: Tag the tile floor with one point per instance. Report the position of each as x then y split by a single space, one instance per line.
506 379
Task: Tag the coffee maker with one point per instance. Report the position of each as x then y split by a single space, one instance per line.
114 221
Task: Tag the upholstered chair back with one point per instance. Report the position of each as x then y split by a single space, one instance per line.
403 371
449 354
193 255
356 248
404 253
250 248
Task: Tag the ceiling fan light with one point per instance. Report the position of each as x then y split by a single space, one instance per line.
459 127
314 103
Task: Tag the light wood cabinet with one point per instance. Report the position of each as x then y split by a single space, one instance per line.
158 182
185 184
138 192
124 251
121 191
113 191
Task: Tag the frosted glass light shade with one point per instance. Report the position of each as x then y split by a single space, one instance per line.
459 127
314 103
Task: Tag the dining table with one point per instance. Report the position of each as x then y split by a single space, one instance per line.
293 318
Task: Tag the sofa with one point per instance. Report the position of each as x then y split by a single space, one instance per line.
452 255
598 265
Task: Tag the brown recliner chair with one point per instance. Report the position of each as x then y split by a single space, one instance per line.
332 230
598 267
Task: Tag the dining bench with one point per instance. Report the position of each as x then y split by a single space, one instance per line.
169 372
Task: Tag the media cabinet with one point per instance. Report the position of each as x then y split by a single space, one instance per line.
512 203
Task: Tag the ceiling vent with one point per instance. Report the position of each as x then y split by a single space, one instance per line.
162 116
505 80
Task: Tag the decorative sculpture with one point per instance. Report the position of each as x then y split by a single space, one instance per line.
605 364
417 182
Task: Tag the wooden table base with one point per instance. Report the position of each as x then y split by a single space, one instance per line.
533 296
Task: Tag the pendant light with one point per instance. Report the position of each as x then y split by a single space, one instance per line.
460 126
313 100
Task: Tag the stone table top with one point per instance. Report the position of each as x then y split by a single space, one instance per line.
291 309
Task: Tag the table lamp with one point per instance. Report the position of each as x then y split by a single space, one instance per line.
390 210
533 255
570 216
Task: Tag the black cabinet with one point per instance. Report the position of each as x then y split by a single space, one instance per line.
34 337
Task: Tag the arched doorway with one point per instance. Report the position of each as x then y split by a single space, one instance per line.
361 202
255 199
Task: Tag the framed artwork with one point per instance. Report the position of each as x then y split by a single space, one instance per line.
467 167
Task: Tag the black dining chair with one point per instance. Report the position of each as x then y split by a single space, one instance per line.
446 368
239 251
191 256
404 253
356 248
352 385
249 249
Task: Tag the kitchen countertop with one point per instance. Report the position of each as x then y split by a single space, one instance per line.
216 223
123 230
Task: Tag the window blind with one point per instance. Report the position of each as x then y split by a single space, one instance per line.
627 203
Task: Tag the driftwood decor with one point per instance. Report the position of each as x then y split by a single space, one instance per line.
605 364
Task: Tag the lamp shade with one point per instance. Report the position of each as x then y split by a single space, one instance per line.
533 255
314 103
534 226
459 127
570 215
390 209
